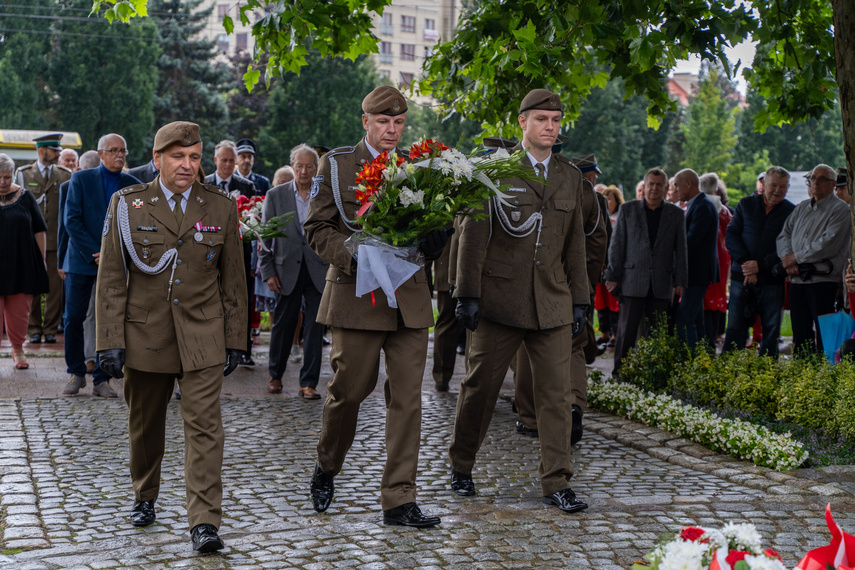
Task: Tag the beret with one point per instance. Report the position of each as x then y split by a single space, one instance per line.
385 100
246 145
182 133
498 142
586 163
50 141
543 99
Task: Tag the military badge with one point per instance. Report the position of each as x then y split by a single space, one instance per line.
316 186
396 106
155 199
106 228
211 255
146 252
137 203
197 236
515 215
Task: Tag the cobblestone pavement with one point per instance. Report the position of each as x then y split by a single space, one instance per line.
65 492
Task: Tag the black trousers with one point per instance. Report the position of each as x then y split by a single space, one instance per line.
285 324
807 302
632 311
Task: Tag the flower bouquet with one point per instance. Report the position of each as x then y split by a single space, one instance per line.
734 547
401 202
251 226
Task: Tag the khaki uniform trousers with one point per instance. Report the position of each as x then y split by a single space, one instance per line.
147 395
445 334
492 347
355 360
49 322
524 391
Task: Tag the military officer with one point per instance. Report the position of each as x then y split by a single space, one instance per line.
172 304
361 327
521 278
43 179
246 151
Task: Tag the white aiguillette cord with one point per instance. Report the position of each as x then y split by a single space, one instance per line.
126 242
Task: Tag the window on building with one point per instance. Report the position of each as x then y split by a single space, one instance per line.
223 42
384 74
430 29
222 10
386 26
240 42
408 52
387 18
430 24
385 52
408 24
406 79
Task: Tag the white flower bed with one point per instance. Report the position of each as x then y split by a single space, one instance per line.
737 438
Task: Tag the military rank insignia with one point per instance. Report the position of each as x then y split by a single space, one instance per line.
137 203
211 255
316 186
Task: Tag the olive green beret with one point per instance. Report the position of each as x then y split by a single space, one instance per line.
541 99
182 133
498 142
384 100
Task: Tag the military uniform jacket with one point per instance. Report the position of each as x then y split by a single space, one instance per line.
523 283
596 234
46 193
327 229
205 313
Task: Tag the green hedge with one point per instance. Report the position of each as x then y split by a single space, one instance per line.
807 392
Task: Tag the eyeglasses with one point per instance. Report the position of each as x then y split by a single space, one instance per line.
811 180
124 151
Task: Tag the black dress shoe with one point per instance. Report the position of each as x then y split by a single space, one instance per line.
576 432
50 338
246 360
526 430
36 339
143 513
408 514
205 538
566 500
462 484
322 489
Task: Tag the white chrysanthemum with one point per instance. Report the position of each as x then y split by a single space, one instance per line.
743 536
683 555
762 562
407 197
716 538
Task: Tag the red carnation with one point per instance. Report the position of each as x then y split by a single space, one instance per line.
692 533
772 554
735 556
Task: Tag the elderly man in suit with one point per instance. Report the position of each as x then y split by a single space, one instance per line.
293 272
515 284
172 305
225 159
89 160
363 326
647 260
89 193
43 178
701 239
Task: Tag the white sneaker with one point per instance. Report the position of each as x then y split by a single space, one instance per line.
75 383
296 353
104 390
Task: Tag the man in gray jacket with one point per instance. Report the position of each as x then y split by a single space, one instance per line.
293 271
813 247
647 260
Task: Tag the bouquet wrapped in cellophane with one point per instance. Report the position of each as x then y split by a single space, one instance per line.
251 226
401 202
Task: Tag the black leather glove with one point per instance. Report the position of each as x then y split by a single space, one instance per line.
468 312
451 289
433 243
580 319
353 266
111 361
232 359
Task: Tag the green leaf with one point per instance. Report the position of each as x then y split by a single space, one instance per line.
228 24
526 34
251 77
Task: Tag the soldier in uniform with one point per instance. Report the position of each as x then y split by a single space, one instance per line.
361 327
172 304
43 179
521 278
246 151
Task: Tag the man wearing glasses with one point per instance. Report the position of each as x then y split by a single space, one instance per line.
89 194
813 247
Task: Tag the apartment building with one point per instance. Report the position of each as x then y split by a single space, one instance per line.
408 31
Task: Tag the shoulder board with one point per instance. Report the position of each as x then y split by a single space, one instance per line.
61 167
132 189
564 160
27 166
217 190
341 150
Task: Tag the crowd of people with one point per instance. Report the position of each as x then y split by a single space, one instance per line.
148 268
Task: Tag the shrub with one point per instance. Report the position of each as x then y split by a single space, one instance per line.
808 392
652 362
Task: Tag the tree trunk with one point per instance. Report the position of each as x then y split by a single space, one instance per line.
844 54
